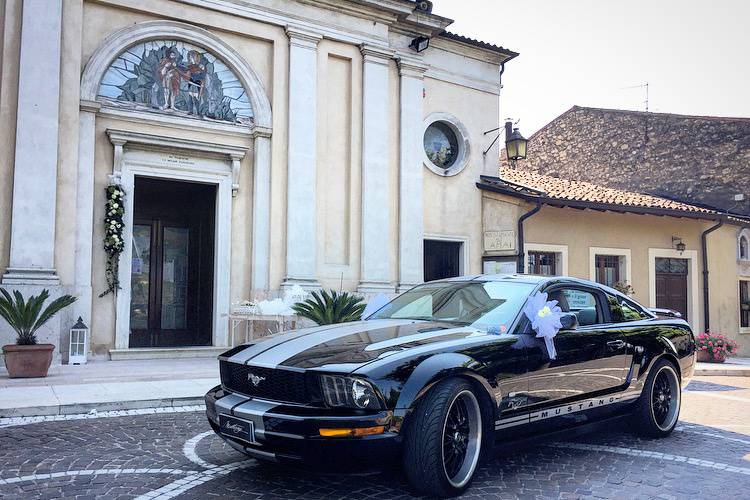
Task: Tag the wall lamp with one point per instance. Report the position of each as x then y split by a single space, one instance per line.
678 244
420 43
515 143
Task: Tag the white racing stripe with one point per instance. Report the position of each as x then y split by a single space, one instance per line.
559 411
276 355
443 332
265 343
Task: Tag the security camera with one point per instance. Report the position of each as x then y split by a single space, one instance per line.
424 6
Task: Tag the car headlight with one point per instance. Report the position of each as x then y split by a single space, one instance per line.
348 392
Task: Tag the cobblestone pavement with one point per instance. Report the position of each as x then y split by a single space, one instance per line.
135 453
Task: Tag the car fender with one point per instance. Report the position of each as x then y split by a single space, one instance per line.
436 368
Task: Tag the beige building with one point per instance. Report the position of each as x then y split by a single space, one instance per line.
259 144
620 238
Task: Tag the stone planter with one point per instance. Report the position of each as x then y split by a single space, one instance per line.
705 357
28 361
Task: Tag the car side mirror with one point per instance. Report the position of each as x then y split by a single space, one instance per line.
569 321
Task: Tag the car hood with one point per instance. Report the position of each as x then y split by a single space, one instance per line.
348 346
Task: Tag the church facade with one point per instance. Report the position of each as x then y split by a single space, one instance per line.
165 160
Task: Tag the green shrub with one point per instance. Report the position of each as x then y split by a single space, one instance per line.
326 308
26 317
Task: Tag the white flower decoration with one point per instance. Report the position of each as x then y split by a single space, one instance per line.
545 319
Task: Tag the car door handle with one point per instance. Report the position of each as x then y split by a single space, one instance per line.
616 345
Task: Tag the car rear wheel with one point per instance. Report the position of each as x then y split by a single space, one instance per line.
443 440
658 408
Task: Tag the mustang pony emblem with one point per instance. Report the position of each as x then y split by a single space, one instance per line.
255 379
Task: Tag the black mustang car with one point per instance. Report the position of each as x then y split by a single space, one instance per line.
446 370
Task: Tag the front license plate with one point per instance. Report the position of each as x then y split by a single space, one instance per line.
237 428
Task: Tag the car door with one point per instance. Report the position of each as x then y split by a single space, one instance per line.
592 359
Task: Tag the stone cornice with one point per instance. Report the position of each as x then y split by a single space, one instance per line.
90 106
411 66
376 54
303 37
122 137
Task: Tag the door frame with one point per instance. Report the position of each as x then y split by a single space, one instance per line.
463 250
693 285
182 161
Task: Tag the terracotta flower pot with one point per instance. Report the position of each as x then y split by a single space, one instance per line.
27 361
705 357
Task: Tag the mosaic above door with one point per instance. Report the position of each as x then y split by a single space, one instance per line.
176 77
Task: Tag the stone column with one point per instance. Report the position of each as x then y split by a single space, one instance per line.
376 243
301 235
411 211
261 210
32 245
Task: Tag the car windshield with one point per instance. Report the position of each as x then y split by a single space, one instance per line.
482 304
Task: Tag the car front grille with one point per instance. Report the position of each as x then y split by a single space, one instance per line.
270 383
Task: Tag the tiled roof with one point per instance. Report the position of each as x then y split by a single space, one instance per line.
703 159
479 43
564 189
550 190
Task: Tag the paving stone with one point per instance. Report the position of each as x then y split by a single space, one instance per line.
134 454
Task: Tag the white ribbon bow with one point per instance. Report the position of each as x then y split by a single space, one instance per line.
545 319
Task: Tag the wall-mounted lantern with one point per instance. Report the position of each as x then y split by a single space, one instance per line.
515 143
678 244
79 340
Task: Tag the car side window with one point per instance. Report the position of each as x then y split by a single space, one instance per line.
623 310
580 302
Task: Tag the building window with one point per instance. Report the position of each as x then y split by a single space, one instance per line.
446 144
543 263
744 304
608 269
441 145
743 248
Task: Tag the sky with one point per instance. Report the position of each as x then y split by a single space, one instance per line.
694 54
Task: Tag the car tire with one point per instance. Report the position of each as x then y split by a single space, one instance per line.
658 408
443 440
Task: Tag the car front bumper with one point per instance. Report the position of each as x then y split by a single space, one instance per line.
290 434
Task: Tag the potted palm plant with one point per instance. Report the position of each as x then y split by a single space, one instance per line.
27 358
327 308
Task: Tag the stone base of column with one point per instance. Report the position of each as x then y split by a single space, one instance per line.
375 287
30 276
307 284
402 287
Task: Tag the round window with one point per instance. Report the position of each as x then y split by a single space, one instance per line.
441 145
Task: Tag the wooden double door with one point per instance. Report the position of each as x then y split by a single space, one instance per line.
672 284
172 264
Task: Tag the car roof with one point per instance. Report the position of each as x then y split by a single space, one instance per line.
529 279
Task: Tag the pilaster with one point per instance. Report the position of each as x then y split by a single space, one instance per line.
301 259
376 219
32 245
411 208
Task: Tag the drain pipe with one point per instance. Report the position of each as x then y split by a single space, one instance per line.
704 246
520 263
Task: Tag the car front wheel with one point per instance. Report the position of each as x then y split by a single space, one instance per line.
658 407
443 441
